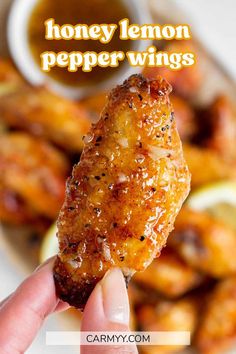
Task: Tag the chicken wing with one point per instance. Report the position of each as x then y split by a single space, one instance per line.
8 73
124 195
94 104
216 168
205 243
167 316
186 81
217 332
169 275
222 127
185 118
44 114
32 178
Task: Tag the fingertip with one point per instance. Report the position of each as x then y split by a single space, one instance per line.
48 264
107 310
93 311
108 303
115 297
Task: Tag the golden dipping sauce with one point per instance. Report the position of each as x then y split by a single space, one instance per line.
76 12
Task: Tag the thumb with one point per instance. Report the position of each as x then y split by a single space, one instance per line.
108 310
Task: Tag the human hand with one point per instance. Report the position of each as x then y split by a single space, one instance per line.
23 312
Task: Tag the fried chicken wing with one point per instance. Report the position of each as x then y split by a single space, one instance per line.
8 73
185 118
13 209
205 243
222 127
217 332
206 165
124 195
169 275
186 81
32 178
44 114
167 316
94 104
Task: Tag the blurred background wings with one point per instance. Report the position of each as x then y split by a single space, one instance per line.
192 286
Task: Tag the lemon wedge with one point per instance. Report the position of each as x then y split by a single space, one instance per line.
218 199
49 245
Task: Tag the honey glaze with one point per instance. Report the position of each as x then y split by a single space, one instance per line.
76 12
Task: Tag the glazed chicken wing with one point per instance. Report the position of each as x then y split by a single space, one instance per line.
169 275
94 104
222 128
186 81
124 195
205 243
44 114
167 316
206 165
8 74
217 332
185 118
32 178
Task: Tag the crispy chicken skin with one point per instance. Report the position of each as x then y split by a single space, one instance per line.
32 178
217 333
184 113
124 195
44 114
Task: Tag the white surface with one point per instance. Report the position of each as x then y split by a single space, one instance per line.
214 22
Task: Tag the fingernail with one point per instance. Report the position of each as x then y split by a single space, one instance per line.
115 297
45 264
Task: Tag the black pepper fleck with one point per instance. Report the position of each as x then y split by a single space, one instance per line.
140 97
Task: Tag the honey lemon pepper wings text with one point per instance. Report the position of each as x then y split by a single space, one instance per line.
124 195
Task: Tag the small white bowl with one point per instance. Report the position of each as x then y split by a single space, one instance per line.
20 13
